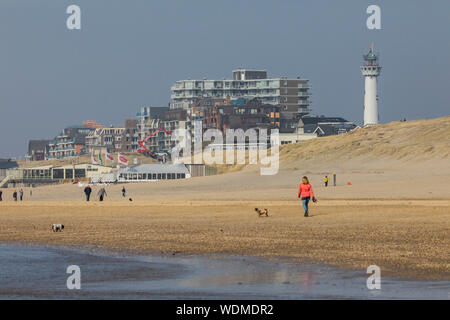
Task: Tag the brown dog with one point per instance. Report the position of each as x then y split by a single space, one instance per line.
262 212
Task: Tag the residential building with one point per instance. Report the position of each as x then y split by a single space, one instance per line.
309 127
63 146
147 113
325 126
70 143
238 114
37 150
92 124
292 95
131 137
114 139
78 134
103 140
159 139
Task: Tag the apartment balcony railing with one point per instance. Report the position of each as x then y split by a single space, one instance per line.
304 102
65 142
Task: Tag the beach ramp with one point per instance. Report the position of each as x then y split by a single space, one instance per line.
5 181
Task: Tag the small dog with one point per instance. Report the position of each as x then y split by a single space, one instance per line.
262 212
57 227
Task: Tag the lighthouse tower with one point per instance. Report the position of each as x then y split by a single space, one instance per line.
370 70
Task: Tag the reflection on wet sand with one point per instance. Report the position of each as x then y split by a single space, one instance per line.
40 272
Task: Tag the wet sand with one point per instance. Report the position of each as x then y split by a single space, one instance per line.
405 238
40 273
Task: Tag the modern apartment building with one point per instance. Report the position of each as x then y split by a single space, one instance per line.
63 146
160 140
147 113
69 143
104 139
292 95
131 137
237 114
114 139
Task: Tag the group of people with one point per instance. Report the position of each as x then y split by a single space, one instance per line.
17 195
101 193
305 192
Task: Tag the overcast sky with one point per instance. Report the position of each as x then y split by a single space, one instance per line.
128 54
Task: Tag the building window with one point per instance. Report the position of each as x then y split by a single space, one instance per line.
69 173
80 173
58 174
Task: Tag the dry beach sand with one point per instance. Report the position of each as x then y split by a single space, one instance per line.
395 213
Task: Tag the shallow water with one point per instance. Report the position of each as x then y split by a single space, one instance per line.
40 273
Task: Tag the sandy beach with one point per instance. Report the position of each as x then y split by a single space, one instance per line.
395 213
404 238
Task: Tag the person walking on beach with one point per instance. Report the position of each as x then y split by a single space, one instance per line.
305 192
1 195
15 195
101 194
124 192
88 191
326 181
21 194
31 190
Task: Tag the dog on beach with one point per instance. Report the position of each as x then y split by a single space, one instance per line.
56 227
262 212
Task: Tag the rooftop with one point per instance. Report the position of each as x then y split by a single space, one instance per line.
156 168
8 164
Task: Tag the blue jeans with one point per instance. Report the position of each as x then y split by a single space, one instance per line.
305 202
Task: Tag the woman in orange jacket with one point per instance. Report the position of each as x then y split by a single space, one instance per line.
305 192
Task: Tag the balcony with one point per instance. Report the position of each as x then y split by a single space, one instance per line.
304 102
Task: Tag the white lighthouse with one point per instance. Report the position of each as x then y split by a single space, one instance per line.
371 71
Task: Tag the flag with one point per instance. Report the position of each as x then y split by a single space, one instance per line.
121 159
93 161
109 157
100 158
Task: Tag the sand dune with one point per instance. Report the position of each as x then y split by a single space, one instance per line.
402 141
